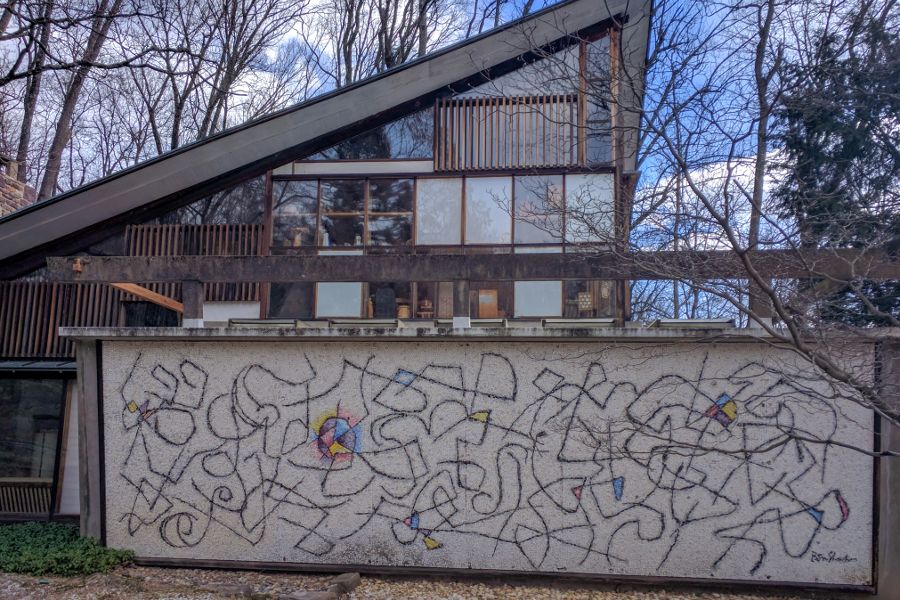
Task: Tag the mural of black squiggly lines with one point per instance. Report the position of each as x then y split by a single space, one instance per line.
484 463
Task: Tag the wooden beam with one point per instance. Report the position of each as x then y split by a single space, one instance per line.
150 296
839 264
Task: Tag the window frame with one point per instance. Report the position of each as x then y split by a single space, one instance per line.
565 244
68 377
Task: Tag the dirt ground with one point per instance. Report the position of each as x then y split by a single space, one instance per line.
199 584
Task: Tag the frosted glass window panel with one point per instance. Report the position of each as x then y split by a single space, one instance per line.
539 208
338 299
488 210
538 298
589 207
439 211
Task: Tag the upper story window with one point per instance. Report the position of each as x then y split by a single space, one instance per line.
544 211
409 137
348 212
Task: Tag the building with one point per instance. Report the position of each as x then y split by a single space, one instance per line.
382 213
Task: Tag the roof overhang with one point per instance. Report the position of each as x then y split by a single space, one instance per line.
216 162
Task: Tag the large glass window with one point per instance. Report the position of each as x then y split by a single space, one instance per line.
338 299
390 211
29 427
488 210
598 77
405 138
439 211
589 207
343 212
587 299
434 300
389 301
538 298
538 209
292 300
241 203
294 207
490 299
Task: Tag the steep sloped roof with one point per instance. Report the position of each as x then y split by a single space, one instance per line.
277 138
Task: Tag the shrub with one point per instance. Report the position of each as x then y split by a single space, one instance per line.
54 549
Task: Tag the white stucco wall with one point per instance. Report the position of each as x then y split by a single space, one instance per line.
531 456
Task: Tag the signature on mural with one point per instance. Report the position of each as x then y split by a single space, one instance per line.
601 473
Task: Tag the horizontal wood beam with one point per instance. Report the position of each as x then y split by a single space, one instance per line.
842 264
150 296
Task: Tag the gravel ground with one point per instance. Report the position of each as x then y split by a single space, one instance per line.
141 583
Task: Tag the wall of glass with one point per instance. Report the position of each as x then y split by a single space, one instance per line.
533 213
29 429
484 210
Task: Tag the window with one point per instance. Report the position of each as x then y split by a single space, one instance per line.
439 211
589 207
390 211
588 299
343 212
29 429
405 138
338 299
389 301
292 300
488 210
434 300
242 203
598 77
538 209
538 298
294 213
490 299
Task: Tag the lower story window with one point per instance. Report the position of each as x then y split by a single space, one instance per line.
588 299
29 429
29 435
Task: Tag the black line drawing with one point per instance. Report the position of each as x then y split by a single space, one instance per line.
537 468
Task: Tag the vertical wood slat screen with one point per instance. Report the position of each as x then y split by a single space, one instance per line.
31 313
198 240
25 496
484 133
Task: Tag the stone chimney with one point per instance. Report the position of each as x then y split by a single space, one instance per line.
13 193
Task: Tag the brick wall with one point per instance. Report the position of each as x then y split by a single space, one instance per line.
13 193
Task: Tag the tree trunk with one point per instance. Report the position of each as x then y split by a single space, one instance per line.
31 96
102 21
422 26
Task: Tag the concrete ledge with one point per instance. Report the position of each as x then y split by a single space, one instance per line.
574 334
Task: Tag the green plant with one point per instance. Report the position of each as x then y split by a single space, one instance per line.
55 549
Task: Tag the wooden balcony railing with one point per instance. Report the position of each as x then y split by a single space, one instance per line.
31 313
199 240
495 133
